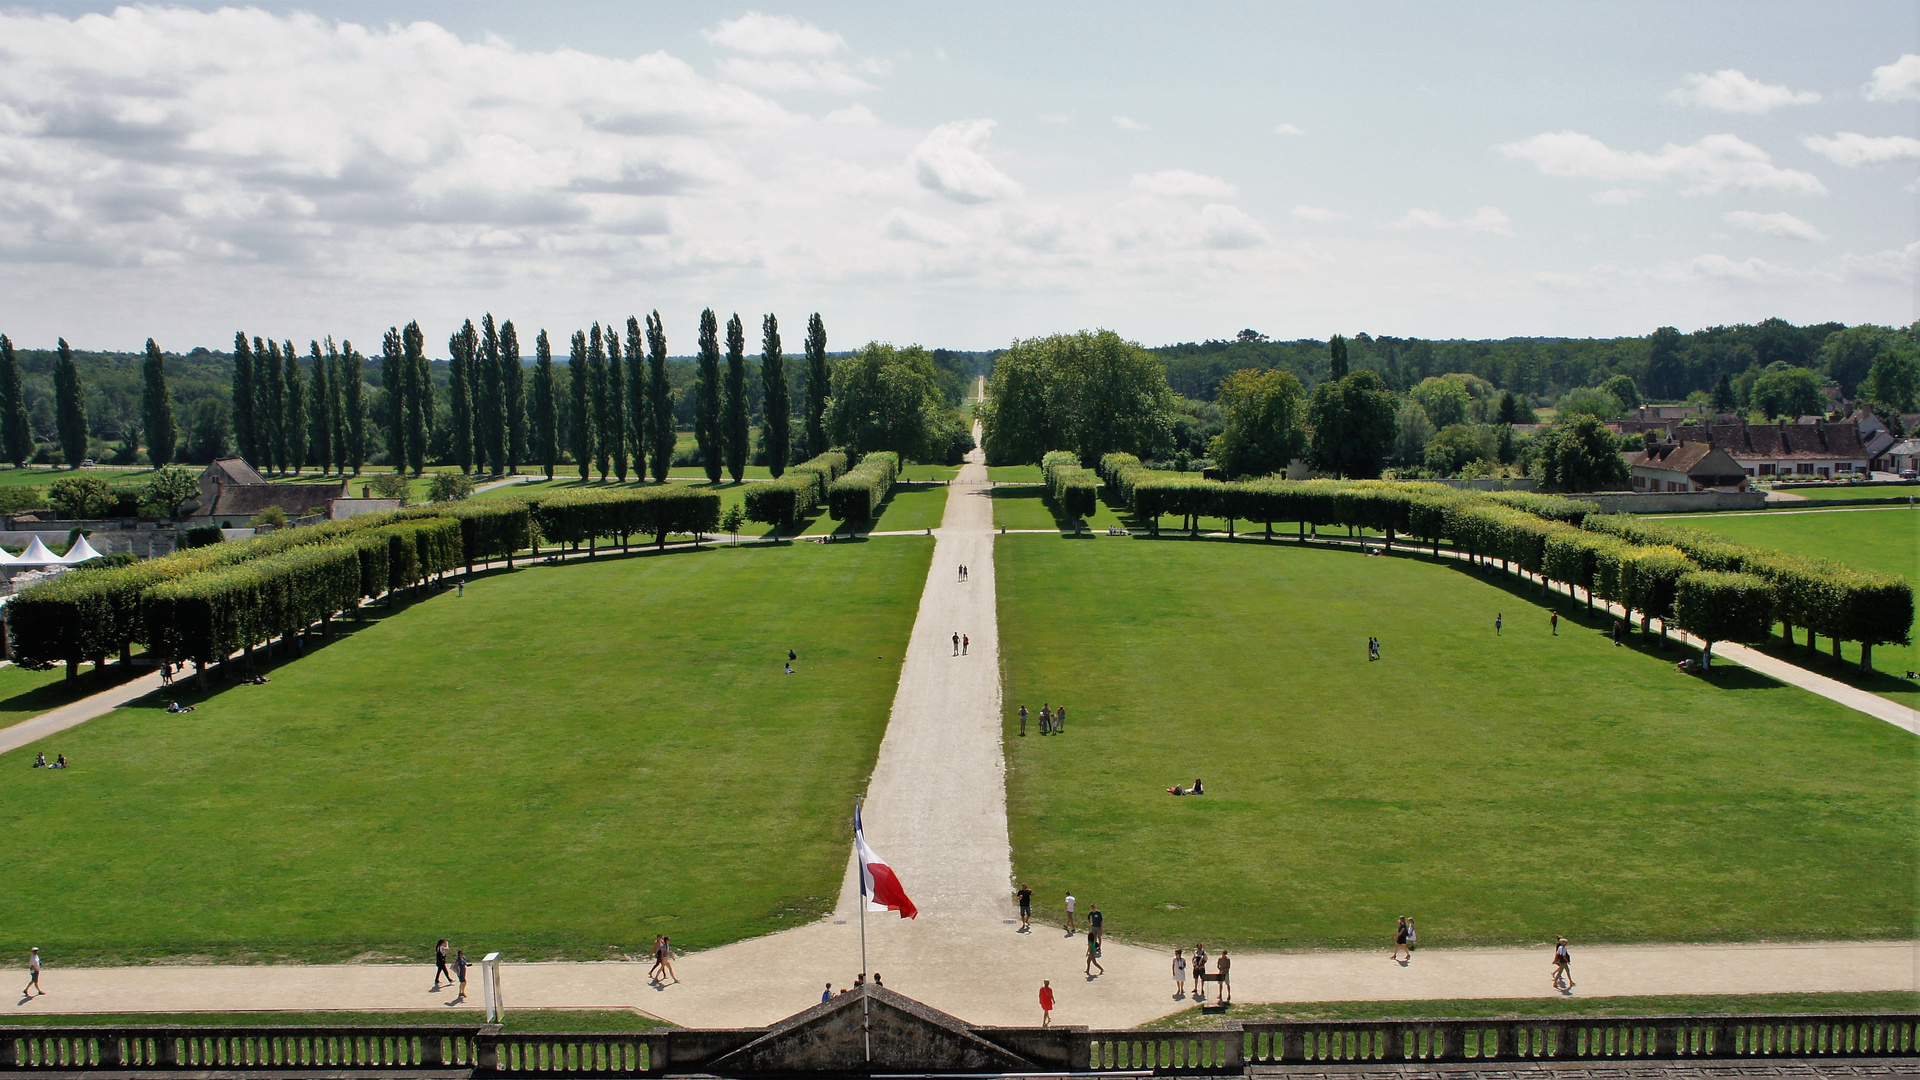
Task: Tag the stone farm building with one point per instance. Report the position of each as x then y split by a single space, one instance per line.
231 491
1692 466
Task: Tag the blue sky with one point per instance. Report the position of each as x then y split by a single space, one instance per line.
956 175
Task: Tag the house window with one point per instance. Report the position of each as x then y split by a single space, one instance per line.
1766 470
1805 468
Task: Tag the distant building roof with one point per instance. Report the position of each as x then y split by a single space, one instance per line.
233 470
232 489
1811 439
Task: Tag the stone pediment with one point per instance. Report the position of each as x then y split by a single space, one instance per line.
908 1037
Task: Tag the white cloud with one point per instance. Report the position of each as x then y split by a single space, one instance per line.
920 229
1487 219
1228 228
831 76
1711 165
948 161
1774 225
1316 213
774 35
1898 81
1616 196
1729 90
1180 182
1287 129
855 115
1128 123
1750 269
1892 264
1852 149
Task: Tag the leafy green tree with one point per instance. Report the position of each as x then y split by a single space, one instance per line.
168 487
885 398
1091 392
70 407
639 416
491 402
776 401
460 394
295 421
1509 412
1411 433
1666 363
1623 391
1445 400
81 497
1337 358
732 520
243 429
615 433
1723 399
545 413
353 370
1847 356
597 398
393 485
320 409
819 385
1589 401
1261 413
16 431
1789 391
393 382
1893 385
738 435
581 385
419 381
660 430
156 408
1579 454
1723 607
210 436
706 402
513 391
1352 422
1456 446
450 487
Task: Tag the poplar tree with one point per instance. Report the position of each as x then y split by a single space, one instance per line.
1337 358
70 407
513 381
270 412
16 431
243 429
597 396
616 430
460 395
817 385
294 424
581 387
738 435
320 410
636 357
492 424
156 408
659 429
419 376
393 379
353 408
777 405
336 403
706 403
545 418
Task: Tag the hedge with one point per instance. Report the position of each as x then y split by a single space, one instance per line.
584 516
205 616
1716 606
489 528
793 496
857 495
1074 491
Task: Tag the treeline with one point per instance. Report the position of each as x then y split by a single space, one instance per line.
1715 588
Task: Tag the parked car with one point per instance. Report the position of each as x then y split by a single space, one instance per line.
86 463
1909 474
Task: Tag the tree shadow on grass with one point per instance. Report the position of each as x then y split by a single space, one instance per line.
1071 528
53 695
1842 671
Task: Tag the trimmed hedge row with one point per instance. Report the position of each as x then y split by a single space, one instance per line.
1073 490
584 516
857 495
206 616
803 487
1716 606
489 528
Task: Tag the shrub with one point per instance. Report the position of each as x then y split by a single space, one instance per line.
450 487
391 485
202 535
1715 606
207 615
1074 491
81 497
857 495
581 517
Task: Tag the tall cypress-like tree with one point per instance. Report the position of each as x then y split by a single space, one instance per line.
245 435
156 408
659 429
636 356
460 395
320 410
353 408
706 402
419 377
16 431
513 382
777 402
580 387
545 418
738 435
597 396
270 411
336 404
493 407
70 407
393 379
295 423
617 426
1337 358
817 385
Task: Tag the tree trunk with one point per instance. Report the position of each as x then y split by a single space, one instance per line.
1389 540
73 668
660 540
200 673
1786 631
126 652
593 543
1866 657
1706 656
1229 528
1836 648
1269 530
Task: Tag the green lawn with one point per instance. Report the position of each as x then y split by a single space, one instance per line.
561 763
1886 540
1500 789
1556 1005
1028 508
46 474
1014 474
1856 491
26 694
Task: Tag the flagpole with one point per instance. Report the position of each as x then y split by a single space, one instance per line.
866 1013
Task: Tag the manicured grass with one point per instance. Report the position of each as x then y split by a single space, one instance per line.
26 694
599 1021
561 763
697 472
1014 474
1028 508
929 472
44 475
1856 491
1886 540
1652 1005
1501 789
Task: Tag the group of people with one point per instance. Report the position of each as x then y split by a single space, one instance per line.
662 969
1221 968
1198 788
1052 721
1405 938
858 982
961 642
448 974
40 761
176 707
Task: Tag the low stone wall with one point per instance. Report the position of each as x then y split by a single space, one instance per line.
1673 502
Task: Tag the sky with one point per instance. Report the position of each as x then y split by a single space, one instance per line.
955 175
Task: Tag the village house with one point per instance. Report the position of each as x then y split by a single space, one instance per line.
1694 466
231 491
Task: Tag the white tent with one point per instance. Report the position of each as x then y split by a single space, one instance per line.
81 551
37 555
7 557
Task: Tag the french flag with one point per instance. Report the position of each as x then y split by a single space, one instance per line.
878 886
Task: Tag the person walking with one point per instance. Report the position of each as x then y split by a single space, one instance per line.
827 994
1496 625
33 973
1070 903
1093 956
461 589
1046 1003
1562 966
1096 923
1200 974
1023 721
1220 968
956 643
1373 649
666 958
440 966
653 973
1616 633
1025 896
1413 938
460 972
965 642
1553 620
1046 718
1399 941
1179 975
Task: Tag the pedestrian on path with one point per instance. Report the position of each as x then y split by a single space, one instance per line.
1562 967
440 966
1399 941
1496 625
1023 721
33 973
1046 1003
1095 921
1179 975
1026 909
956 643
666 959
1093 956
965 641
460 972
1553 620
653 973
1200 974
1070 903
1413 938
1220 968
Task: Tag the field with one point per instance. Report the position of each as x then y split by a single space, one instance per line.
1857 491
1887 540
1499 788
26 694
612 744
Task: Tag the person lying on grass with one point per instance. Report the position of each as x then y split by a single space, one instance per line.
1196 789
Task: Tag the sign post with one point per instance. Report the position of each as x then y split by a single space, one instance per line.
490 986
